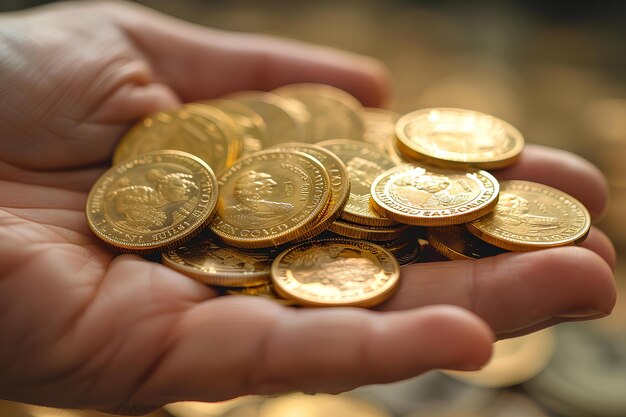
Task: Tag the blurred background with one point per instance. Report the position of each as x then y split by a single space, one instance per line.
556 70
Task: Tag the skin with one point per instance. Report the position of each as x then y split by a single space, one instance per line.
83 327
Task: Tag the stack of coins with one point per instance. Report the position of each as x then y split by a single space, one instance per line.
303 196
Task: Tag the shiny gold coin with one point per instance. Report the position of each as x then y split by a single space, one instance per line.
380 131
531 216
373 233
207 260
283 118
455 242
252 128
339 183
514 361
203 131
420 196
332 113
336 272
458 138
364 162
263 291
152 202
269 198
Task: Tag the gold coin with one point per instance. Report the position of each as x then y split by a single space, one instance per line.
339 183
269 198
455 242
205 132
320 405
457 138
406 249
373 233
421 196
380 125
152 202
206 260
336 272
364 162
531 216
250 124
263 291
332 113
283 118
514 361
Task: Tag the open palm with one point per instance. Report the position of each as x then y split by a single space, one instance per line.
82 327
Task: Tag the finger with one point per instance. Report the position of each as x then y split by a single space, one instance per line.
563 170
76 180
515 290
200 63
600 243
255 346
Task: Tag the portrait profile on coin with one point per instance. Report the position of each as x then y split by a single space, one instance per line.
341 267
257 200
160 201
513 210
432 191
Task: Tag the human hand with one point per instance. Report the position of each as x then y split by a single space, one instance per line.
82 327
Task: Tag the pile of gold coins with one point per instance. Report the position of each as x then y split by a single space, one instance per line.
318 201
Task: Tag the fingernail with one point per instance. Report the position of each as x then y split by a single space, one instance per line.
583 313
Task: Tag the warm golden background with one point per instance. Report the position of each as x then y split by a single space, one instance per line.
556 70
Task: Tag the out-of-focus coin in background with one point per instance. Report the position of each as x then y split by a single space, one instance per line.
332 113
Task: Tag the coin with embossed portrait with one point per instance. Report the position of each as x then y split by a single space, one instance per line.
152 202
457 138
364 162
209 261
531 216
336 272
269 198
339 183
203 131
421 196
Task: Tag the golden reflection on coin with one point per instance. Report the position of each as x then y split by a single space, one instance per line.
531 216
364 162
336 272
253 130
202 409
514 361
152 202
283 118
207 260
421 196
380 131
269 198
203 131
263 291
457 138
373 233
320 405
456 243
339 183
332 113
